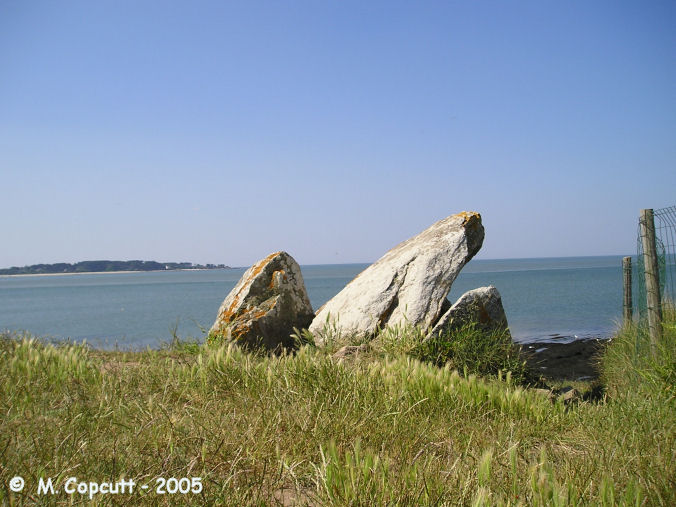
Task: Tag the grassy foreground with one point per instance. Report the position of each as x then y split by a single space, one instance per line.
381 428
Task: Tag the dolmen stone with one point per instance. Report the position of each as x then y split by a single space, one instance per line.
264 307
482 306
409 284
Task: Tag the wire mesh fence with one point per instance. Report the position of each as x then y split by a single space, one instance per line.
665 242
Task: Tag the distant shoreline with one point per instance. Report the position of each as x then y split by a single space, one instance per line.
110 272
105 266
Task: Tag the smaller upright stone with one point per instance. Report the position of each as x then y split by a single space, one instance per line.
482 306
266 304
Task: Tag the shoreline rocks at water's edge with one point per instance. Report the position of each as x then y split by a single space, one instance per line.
576 360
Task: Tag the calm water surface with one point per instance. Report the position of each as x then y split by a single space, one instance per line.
552 299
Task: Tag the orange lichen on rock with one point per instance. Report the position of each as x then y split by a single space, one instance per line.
469 216
268 302
231 312
258 267
275 279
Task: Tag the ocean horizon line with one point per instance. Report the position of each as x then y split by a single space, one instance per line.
474 260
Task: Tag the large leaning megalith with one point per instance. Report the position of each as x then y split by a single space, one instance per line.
408 284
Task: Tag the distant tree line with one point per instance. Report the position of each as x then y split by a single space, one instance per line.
100 266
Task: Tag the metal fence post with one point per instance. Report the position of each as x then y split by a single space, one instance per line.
652 278
628 305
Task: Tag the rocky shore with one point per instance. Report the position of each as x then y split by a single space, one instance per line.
577 360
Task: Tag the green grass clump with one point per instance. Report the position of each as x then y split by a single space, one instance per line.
632 369
399 425
476 351
468 349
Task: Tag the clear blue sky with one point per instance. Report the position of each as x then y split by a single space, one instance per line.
222 131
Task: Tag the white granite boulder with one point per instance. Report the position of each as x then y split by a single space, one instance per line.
482 306
266 304
408 284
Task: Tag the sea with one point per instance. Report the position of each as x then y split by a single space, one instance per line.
546 300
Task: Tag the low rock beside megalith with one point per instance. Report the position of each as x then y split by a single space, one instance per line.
266 304
409 284
482 306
